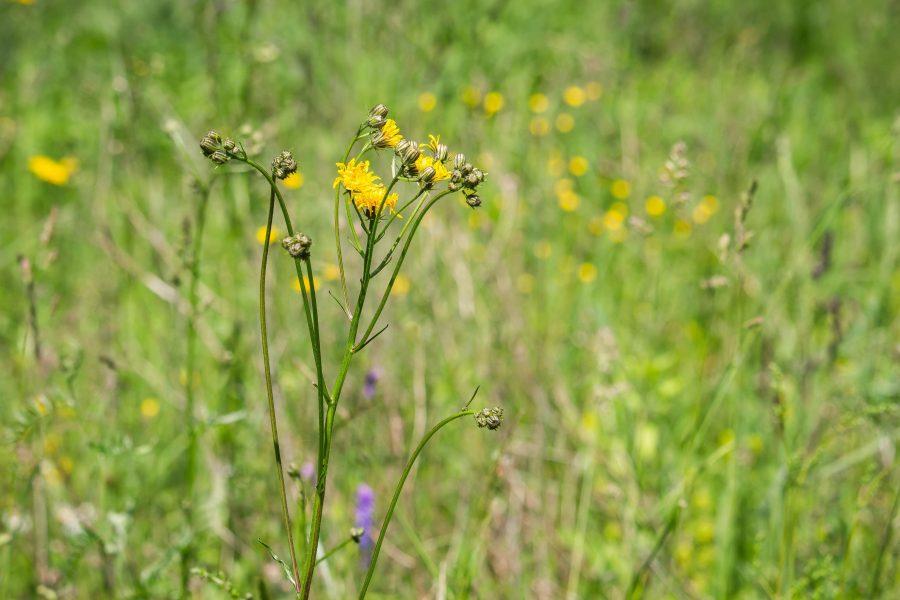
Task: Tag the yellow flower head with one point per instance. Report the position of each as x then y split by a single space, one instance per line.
369 199
52 171
355 176
440 171
427 101
493 102
274 238
294 180
391 133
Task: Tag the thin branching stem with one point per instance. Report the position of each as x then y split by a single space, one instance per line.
396 496
285 512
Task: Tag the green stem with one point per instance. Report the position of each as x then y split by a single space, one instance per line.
387 291
398 489
337 222
271 399
190 367
334 550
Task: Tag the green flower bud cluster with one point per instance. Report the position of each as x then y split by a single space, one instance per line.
467 178
297 245
489 417
283 165
220 150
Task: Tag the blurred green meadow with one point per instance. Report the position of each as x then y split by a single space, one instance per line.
698 404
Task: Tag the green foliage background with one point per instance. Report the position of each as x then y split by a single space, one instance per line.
746 432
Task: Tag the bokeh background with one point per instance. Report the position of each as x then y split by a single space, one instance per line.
686 417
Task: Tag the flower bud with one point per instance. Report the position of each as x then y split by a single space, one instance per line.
208 146
377 116
219 157
297 245
427 176
283 165
229 145
410 152
440 152
459 161
357 533
489 417
472 180
379 140
474 200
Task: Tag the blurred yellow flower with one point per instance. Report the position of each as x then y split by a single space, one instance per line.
573 96
538 103
493 102
543 249
646 440
655 206
613 220
620 189
42 405
587 272
682 229
700 214
294 180
66 464
620 207
525 283
562 186
555 165
539 126
471 96
568 200
331 272
52 171
401 285
295 284
274 238
578 166
595 226
594 90
149 408
52 443
427 101
565 123
710 204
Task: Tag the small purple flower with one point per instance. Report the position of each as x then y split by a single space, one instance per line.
372 378
308 472
365 519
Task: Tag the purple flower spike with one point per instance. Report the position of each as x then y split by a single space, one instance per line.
365 519
372 378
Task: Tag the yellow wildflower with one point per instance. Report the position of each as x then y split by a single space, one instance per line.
710 204
539 126
52 171
296 284
578 166
331 272
149 408
440 171
471 96
355 176
273 239
427 101
493 102
569 200
573 96
682 229
613 220
391 133
655 206
620 189
565 123
587 272
294 180
369 199
538 103
401 285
